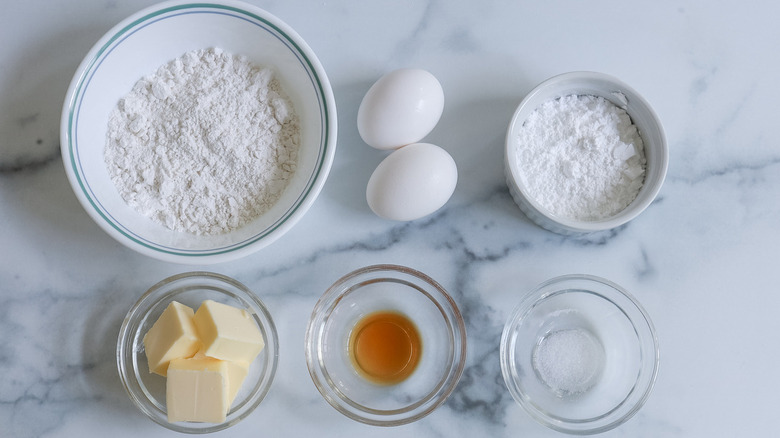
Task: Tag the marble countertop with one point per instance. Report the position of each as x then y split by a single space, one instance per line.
701 259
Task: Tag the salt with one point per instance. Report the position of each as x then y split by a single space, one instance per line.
569 361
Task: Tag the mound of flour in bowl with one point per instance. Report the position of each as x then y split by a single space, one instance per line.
204 145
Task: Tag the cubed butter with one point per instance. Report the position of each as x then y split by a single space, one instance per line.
237 372
228 333
197 390
172 336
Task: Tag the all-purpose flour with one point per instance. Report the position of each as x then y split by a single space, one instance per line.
205 144
581 157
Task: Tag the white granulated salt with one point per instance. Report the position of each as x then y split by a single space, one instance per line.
581 157
204 145
569 361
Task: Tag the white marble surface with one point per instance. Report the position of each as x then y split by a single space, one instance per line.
702 259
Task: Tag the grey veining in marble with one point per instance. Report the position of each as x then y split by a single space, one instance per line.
702 258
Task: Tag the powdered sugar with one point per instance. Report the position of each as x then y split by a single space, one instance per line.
204 145
581 157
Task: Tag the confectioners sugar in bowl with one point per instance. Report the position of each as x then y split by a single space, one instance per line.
581 157
603 165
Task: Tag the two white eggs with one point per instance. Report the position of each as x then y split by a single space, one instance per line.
416 179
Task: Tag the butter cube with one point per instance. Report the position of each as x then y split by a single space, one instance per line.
237 372
172 336
228 333
197 390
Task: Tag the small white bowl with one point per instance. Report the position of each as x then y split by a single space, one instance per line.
137 47
623 96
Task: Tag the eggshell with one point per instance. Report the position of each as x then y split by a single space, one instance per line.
401 108
412 182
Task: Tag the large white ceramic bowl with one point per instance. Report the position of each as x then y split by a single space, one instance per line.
137 47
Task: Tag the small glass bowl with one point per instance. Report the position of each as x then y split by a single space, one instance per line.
379 288
147 390
603 335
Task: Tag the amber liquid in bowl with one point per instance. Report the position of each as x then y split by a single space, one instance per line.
385 347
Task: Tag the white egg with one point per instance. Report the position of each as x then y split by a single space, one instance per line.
412 182
401 108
